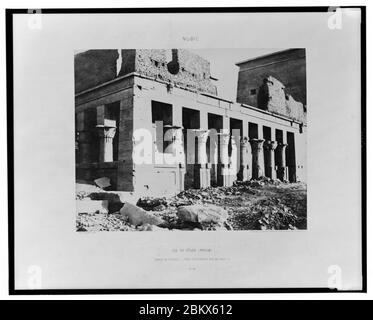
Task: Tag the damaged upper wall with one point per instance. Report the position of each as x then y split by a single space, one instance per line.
273 96
287 66
181 67
94 67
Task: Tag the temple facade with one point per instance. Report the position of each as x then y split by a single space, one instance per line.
153 123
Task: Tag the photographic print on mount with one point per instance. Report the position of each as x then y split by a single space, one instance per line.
197 123
198 140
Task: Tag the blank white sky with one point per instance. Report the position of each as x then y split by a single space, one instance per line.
222 62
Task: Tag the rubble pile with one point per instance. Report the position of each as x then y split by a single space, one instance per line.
263 204
152 204
102 222
267 214
137 216
205 217
206 195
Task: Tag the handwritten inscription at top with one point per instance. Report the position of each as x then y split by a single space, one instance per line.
190 38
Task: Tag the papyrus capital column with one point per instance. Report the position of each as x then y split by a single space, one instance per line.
257 157
202 136
178 151
201 172
223 165
244 144
282 151
179 145
244 160
174 134
224 142
270 147
281 170
106 135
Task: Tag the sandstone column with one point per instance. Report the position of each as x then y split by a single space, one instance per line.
243 174
281 169
201 172
174 135
179 154
234 161
257 157
223 165
214 149
178 145
106 135
270 147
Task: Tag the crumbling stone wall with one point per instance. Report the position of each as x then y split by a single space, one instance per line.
288 66
273 96
94 67
177 66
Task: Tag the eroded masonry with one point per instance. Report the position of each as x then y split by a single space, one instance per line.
119 92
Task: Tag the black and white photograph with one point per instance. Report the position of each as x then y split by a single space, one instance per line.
162 143
186 150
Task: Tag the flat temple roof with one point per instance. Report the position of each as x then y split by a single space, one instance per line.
265 55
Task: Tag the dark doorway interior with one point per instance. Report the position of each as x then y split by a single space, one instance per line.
234 125
253 130
162 112
214 122
279 139
191 120
267 137
90 122
279 136
266 133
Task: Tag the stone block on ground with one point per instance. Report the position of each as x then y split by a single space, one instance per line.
137 216
202 214
103 182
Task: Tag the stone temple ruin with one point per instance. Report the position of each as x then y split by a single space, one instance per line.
122 92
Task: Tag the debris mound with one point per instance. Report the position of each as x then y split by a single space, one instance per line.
261 204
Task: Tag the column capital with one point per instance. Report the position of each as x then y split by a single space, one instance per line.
244 142
257 157
177 143
282 160
176 132
107 132
202 134
225 137
270 145
256 143
282 145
